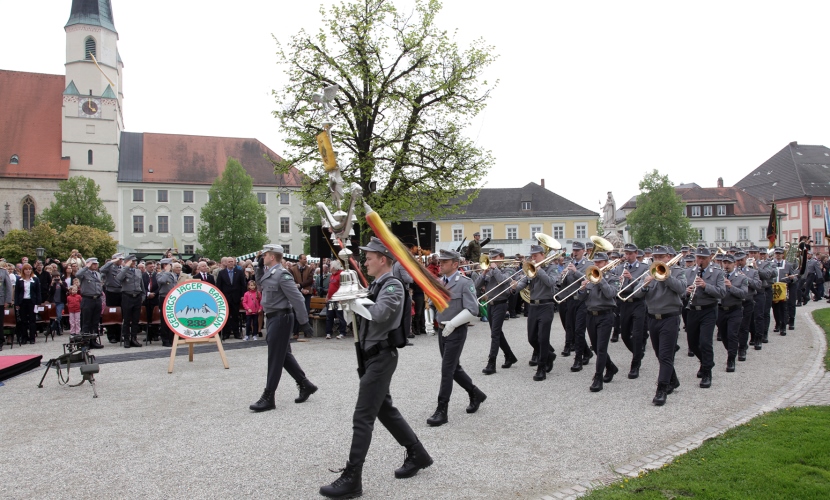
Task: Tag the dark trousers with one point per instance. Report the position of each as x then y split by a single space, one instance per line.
792 296
232 326
563 318
112 299
758 313
729 326
164 330
336 313
747 324
513 300
90 314
576 326
781 313
663 339
418 321
451 370
632 322
28 320
617 308
767 309
539 321
700 330
131 314
599 331
150 306
495 316
374 401
251 324
807 289
278 332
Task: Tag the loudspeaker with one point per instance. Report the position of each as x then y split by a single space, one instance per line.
405 231
426 234
317 239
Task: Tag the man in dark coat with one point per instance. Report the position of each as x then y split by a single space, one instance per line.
231 282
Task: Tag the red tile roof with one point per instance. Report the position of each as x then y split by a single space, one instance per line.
30 125
745 203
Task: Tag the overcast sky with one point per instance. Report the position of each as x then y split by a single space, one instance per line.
591 96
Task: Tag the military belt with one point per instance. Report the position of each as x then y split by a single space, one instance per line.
376 349
273 313
730 308
542 301
664 315
601 312
702 308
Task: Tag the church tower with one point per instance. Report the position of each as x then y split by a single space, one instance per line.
93 100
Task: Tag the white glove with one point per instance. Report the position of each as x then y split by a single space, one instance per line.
461 318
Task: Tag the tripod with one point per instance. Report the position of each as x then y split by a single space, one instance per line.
75 351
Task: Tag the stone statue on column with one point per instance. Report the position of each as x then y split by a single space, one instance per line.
609 222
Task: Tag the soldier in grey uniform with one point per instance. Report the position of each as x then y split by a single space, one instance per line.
91 290
540 311
112 292
705 288
617 272
599 302
771 268
786 273
380 358
633 309
281 302
730 311
575 321
495 282
664 302
166 281
462 308
399 272
6 296
760 309
132 295
754 287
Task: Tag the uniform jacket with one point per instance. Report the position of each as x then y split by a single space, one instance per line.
754 282
279 292
6 290
766 271
473 251
714 289
166 281
784 269
490 283
572 276
109 271
400 272
665 297
543 286
462 296
600 296
738 292
813 266
91 282
636 270
387 310
131 281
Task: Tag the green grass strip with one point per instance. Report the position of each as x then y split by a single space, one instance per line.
780 455
822 317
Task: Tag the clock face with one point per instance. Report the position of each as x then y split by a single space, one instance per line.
90 108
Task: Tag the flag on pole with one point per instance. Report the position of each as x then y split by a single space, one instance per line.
772 226
826 222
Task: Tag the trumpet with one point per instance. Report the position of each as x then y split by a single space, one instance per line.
658 271
593 274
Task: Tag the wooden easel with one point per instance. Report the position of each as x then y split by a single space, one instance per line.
190 344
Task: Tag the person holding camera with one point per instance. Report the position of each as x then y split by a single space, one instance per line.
57 295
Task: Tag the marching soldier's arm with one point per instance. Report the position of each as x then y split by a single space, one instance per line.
740 290
123 274
546 279
387 302
468 299
716 289
754 283
677 281
606 289
523 282
294 296
81 274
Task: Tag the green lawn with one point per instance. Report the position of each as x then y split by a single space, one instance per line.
780 455
822 317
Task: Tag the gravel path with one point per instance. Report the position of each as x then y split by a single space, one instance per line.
189 434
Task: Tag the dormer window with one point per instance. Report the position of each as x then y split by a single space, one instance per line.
14 160
89 48
525 206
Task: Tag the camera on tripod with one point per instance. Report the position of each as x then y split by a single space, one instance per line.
76 351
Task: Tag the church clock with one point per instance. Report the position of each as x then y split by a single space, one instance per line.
89 108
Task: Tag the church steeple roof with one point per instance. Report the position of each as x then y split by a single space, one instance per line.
92 12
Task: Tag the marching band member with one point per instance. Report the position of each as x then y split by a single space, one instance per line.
730 311
576 320
788 274
613 255
755 286
705 287
540 312
599 303
490 278
632 310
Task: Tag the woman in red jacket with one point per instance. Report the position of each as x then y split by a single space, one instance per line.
334 285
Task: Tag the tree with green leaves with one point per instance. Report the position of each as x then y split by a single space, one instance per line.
407 92
77 203
232 221
89 241
660 216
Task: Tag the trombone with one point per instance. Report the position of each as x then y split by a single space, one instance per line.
593 274
485 261
529 269
658 271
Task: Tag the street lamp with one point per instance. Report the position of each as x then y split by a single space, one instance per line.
40 251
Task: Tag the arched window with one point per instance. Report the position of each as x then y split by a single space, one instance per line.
28 213
89 157
89 48
14 160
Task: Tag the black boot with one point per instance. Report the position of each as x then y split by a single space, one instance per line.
534 360
615 337
700 372
476 398
416 459
660 397
306 389
610 370
134 342
634 372
348 485
549 362
567 350
706 380
439 417
540 374
691 353
730 364
586 356
577 366
741 354
490 368
758 345
509 361
673 384
597 385
765 340
265 403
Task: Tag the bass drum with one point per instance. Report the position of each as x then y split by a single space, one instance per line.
779 292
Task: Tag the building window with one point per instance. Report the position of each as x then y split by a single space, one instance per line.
188 249
721 209
695 211
138 195
721 233
188 224
743 233
699 233
162 197
818 238
487 232
581 230
437 233
535 229
817 210
89 48
794 211
89 157
163 224
558 231
285 198
28 213
285 225
512 232
138 223
457 234
286 249
762 234
188 196
262 198
707 211
14 160
525 206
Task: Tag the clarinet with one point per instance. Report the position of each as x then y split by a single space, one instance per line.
692 295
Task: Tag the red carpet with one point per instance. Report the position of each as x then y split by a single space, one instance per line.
15 365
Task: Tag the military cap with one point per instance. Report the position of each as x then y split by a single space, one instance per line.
689 258
129 258
163 262
476 233
495 252
660 250
117 256
273 248
733 248
91 260
684 248
728 258
718 256
647 250
630 247
536 249
578 245
614 254
640 253
740 255
375 245
779 250
600 256
589 245
702 252
448 255
753 248
670 249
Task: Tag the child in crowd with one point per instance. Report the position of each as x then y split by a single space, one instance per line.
73 305
251 303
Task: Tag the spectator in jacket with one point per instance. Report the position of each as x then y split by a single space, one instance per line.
304 279
251 304
231 282
26 297
57 295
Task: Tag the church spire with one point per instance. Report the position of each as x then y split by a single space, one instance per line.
92 12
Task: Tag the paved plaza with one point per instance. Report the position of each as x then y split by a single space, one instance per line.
190 434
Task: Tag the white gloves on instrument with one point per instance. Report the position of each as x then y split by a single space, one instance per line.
461 318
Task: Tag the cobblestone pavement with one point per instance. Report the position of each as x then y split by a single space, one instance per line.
190 434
